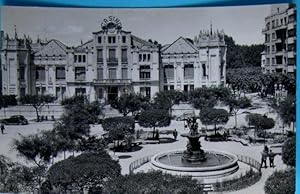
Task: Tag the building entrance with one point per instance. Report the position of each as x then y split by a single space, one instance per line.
112 93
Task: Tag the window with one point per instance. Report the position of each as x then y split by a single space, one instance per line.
291 33
191 87
169 72
140 57
124 56
75 58
273 48
79 73
273 24
273 61
273 36
111 39
148 57
100 73
221 70
112 55
60 73
80 91
79 58
291 61
145 72
40 74
40 90
99 55
83 58
22 73
124 73
204 70
146 91
171 87
60 92
112 73
189 71
123 39
165 88
99 39
22 92
268 61
144 57
186 88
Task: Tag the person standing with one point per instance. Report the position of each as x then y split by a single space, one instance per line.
271 158
264 156
2 128
175 134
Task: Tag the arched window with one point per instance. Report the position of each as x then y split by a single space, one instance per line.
189 71
169 72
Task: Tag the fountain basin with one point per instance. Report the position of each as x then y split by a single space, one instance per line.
217 164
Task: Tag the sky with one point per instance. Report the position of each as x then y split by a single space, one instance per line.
73 25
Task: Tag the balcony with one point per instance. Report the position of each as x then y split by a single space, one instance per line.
99 60
112 82
124 60
112 61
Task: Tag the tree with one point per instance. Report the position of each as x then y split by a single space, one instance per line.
213 116
235 104
118 127
15 177
281 182
289 151
260 122
127 103
37 101
152 182
166 99
202 98
153 118
287 110
86 171
37 148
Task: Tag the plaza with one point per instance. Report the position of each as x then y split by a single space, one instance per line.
127 158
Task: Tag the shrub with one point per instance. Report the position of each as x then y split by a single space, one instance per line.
289 151
281 182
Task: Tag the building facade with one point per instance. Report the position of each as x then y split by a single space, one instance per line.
112 63
280 40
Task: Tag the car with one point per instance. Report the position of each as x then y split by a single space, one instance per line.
15 120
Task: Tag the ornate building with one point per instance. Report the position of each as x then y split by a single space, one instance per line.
191 64
113 62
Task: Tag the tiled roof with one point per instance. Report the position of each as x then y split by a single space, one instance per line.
53 48
138 42
181 45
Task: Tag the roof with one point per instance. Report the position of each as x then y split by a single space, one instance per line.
181 45
53 48
138 42
83 46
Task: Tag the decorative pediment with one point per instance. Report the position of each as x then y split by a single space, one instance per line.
180 46
53 48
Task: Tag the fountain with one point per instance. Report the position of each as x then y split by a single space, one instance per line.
194 161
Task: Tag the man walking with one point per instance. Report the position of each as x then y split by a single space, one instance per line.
2 128
264 156
271 158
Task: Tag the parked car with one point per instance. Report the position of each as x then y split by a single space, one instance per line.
15 120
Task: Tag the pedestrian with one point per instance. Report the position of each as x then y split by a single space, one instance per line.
2 128
156 134
271 158
266 149
175 133
264 156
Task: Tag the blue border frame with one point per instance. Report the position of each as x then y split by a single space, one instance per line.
166 4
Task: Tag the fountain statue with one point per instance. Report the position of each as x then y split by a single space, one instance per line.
193 153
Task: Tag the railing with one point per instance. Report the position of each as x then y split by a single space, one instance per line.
138 163
239 182
112 60
113 81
